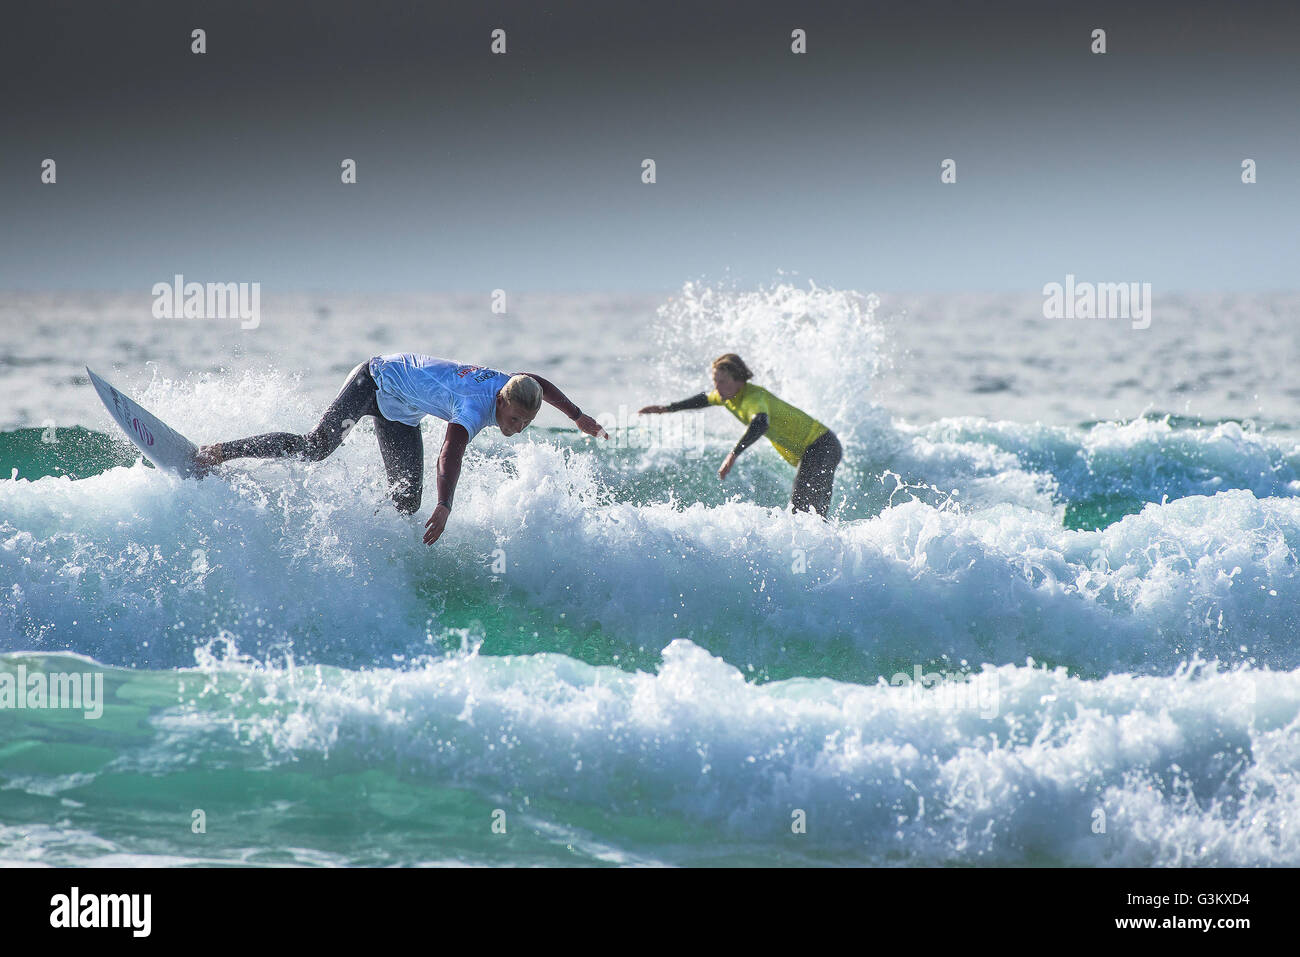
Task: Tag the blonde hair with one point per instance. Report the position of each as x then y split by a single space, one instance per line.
523 392
733 366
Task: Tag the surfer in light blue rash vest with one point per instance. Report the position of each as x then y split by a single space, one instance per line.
398 391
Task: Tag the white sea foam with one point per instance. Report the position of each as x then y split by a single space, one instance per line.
313 556
1194 767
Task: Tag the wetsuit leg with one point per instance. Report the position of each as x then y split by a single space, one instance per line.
816 475
403 451
355 400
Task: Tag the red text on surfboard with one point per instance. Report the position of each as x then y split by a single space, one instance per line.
139 428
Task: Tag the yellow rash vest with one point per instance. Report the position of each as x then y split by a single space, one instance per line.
791 430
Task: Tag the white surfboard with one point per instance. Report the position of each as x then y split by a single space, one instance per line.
161 444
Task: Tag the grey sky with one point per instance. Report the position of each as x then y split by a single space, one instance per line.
523 171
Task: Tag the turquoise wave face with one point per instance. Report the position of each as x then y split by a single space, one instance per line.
73 452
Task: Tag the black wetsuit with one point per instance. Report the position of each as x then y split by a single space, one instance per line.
400 445
816 475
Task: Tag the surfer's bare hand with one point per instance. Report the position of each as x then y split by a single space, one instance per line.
726 467
653 410
433 528
590 426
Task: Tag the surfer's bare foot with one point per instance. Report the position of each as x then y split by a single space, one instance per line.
206 458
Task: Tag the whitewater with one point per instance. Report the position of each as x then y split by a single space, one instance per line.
616 659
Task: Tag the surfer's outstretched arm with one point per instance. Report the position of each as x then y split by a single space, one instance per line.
757 429
551 394
453 450
700 401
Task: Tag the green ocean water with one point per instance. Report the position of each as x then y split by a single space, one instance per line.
75 452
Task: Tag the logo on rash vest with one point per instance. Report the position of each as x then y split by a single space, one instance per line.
480 373
139 429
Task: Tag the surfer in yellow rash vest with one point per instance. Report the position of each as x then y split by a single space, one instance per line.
802 441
